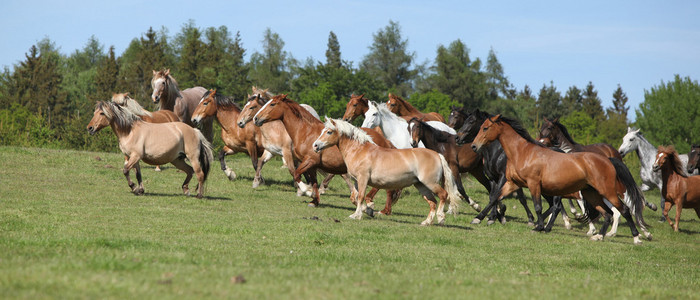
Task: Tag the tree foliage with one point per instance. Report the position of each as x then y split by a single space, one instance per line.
389 60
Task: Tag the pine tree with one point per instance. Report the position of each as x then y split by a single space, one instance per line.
107 76
333 51
389 60
271 69
572 101
619 103
456 75
591 104
498 83
549 102
191 55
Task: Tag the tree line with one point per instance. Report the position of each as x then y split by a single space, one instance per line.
47 99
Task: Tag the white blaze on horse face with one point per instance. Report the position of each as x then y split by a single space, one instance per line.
261 109
157 86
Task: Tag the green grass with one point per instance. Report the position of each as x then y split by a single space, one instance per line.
70 228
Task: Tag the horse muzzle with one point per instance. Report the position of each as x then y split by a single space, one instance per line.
258 122
241 124
317 147
655 168
155 99
195 121
91 130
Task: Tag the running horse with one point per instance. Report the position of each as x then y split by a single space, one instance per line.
247 139
679 188
303 128
382 167
357 106
554 134
545 171
155 144
168 96
693 158
405 110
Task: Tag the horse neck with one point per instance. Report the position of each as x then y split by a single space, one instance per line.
668 173
170 95
392 129
646 152
513 144
227 118
120 132
428 138
406 109
565 144
347 145
295 128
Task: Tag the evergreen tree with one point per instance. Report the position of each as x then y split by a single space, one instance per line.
549 102
498 83
389 60
144 55
456 75
107 76
191 53
271 69
333 51
591 104
572 101
619 103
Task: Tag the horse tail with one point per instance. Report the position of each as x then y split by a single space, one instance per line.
205 153
634 198
452 192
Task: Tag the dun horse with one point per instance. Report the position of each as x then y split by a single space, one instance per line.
183 103
403 109
385 168
544 171
679 188
247 140
155 144
303 128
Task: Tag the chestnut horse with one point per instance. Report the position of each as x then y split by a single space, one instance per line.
457 117
357 106
552 133
460 158
303 128
275 138
155 144
679 188
183 103
381 167
544 171
236 139
405 110
693 158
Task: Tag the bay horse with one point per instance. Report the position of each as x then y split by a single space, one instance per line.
461 158
679 188
247 139
303 128
168 96
155 144
357 106
646 152
382 167
544 171
457 117
405 110
693 158
159 116
275 138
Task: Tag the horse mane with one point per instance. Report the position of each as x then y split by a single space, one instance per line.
383 109
222 101
124 100
347 129
170 85
261 94
564 131
298 110
438 135
122 118
676 162
520 130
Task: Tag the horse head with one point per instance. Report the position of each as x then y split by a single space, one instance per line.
159 84
394 103
693 158
488 132
99 118
546 134
329 136
355 107
206 107
272 110
372 118
630 141
417 131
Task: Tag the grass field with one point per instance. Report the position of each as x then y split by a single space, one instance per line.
70 228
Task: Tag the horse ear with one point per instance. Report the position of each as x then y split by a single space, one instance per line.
556 120
362 95
167 72
545 119
497 118
154 72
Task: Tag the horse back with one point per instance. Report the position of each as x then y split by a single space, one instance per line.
378 138
693 195
434 116
161 116
602 149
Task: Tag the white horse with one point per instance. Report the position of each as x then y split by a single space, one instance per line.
634 141
394 127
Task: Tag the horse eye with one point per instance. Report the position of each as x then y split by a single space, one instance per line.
632 139
486 128
205 103
354 105
102 114
273 104
329 132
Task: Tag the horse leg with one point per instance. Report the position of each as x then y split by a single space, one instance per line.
266 156
222 159
663 201
555 207
252 149
430 198
182 165
139 189
326 181
391 198
128 165
615 217
306 165
572 208
679 208
594 198
493 199
523 201
537 199
667 207
362 187
460 188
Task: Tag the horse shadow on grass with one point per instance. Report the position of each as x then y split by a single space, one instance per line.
190 196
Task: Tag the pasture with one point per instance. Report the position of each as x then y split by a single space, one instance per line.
71 228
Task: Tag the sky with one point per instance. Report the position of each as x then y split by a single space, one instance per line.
636 44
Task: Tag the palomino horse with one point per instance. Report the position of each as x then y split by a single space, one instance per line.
303 128
275 138
457 117
646 152
693 158
679 188
405 110
155 144
459 158
544 171
247 140
357 106
385 168
169 97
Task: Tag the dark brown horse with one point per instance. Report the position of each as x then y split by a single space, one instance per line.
303 128
554 134
693 158
679 189
544 171
457 117
461 158
405 110
183 103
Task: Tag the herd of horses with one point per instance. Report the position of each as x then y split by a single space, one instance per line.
399 146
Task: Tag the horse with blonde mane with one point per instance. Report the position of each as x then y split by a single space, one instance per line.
155 144
182 102
678 188
381 167
403 109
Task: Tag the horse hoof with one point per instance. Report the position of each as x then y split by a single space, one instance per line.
490 222
590 233
299 193
441 222
649 237
157 169
476 207
321 190
369 211
538 228
597 237
547 229
662 219
356 217
311 204
611 234
476 221
530 223
425 223
652 206
637 241
503 221
230 174
567 226
199 196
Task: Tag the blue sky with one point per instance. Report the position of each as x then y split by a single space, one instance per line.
636 44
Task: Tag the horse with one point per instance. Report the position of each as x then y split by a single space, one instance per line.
155 144
394 127
457 116
679 188
168 96
646 152
159 116
275 138
693 157
544 171
460 158
302 127
405 110
357 106
381 167
247 139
